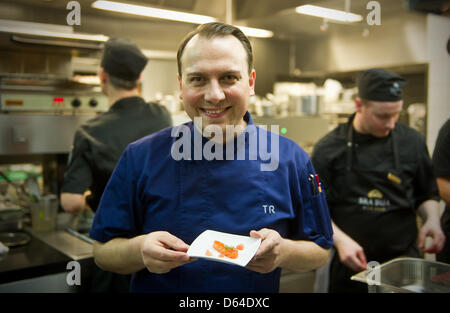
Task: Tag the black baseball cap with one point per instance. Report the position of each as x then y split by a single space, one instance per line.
377 84
123 59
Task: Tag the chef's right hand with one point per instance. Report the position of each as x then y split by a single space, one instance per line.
351 254
162 251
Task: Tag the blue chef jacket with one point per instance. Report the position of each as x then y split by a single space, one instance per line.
151 191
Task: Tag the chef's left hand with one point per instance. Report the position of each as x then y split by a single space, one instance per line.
431 228
267 258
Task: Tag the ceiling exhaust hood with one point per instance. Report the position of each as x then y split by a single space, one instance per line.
50 34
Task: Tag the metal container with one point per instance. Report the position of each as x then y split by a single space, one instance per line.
268 108
309 105
407 275
11 219
305 105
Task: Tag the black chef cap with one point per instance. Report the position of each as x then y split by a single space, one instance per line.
123 59
380 85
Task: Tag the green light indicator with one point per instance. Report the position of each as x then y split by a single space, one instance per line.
283 130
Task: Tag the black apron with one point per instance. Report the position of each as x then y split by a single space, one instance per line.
372 208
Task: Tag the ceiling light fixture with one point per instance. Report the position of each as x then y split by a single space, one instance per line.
152 12
330 14
255 32
171 15
46 30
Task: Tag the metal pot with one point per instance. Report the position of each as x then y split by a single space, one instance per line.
268 108
305 105
311 104
11 219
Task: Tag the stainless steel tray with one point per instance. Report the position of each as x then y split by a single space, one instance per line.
407 275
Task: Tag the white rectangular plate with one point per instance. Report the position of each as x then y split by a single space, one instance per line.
206 240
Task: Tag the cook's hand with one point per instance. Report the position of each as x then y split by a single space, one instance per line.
267 258
351 254
431 228
162 251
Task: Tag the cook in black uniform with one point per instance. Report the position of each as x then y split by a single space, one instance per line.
377 173
99 143
441 164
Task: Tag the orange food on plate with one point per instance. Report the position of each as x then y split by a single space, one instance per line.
228 251
208 253
240 246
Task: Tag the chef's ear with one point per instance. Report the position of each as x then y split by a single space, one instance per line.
102 75
358 104
251 82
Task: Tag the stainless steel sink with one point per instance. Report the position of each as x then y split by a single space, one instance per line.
407 275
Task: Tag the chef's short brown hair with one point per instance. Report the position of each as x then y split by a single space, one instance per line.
215 29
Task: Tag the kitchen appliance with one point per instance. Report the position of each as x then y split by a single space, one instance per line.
407 275
49 94
40 113
11 218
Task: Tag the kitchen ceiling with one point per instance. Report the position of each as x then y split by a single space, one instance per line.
206 7
276 15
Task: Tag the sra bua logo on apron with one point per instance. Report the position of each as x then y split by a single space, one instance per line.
375 201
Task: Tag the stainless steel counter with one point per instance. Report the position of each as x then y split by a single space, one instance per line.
31 260
45 259
66 243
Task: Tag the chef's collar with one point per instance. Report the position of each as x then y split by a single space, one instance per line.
126 103
247 132
359 137
247 118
